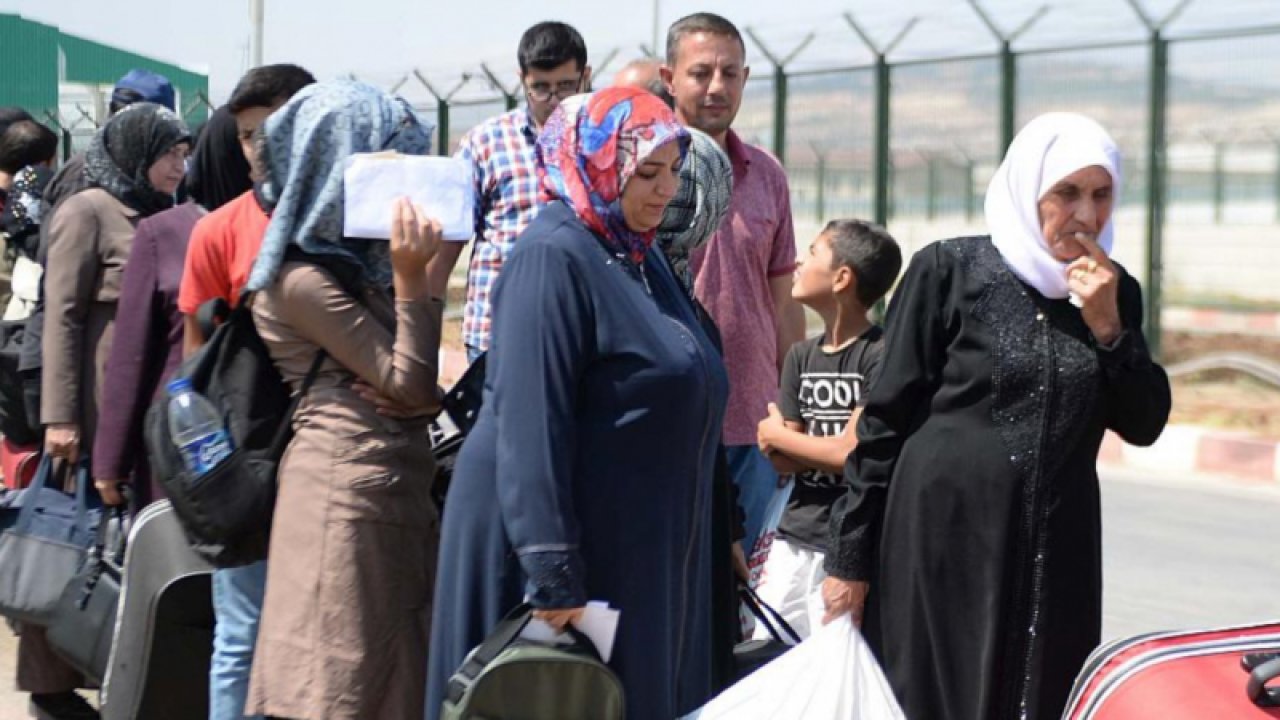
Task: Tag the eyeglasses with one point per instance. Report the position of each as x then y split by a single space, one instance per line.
542 92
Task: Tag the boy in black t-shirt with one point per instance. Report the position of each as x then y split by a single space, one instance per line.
850 267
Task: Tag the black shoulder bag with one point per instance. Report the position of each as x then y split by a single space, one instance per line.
226 512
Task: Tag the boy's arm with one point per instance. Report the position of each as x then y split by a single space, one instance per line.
790 444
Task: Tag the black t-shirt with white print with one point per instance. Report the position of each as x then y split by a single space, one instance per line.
821 390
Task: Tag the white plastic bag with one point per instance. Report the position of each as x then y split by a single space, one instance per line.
830 676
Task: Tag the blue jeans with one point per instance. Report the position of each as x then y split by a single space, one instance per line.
757 483
237 605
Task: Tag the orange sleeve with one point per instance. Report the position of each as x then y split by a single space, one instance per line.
205 275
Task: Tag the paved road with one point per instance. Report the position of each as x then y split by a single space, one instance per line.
1178 555
1188 555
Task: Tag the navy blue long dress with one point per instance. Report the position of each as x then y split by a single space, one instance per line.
588 475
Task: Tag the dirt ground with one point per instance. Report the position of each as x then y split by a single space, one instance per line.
1223 399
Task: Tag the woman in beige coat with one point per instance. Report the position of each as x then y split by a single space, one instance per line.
344 625
134 165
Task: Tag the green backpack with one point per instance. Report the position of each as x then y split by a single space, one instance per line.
506 678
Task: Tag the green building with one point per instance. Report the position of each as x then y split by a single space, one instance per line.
66 80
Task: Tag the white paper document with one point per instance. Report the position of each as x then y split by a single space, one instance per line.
599 623
373 182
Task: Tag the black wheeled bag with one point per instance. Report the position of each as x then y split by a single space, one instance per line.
162 640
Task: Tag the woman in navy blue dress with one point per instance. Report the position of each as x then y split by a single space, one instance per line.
588 474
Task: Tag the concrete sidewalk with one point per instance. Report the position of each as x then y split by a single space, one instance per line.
1236 457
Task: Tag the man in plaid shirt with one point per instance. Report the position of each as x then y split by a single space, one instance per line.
553 66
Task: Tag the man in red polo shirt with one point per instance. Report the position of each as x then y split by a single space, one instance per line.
225 242
743 274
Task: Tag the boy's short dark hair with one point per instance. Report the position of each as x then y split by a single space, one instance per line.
25 143
268 86
548 45
869 251
703 22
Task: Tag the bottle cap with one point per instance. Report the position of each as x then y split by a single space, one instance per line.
179 385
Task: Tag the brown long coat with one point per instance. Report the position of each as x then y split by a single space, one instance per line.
351 567
90 237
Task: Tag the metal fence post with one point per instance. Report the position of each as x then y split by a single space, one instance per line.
931 187
1219 180
1008 71
880 156
821 181
779 91
1156 147
509 99
442 109
1277 182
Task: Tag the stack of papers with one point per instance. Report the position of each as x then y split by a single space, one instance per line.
373 182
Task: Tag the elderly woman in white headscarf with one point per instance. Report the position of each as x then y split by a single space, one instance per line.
971 533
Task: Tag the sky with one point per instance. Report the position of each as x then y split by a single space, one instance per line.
381 41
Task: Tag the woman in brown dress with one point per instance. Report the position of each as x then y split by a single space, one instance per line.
349 580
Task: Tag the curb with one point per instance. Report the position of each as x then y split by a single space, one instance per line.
1192 449
1221 321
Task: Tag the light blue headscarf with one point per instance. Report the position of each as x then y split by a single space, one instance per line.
306 144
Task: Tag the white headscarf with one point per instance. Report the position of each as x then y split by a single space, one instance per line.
1047 150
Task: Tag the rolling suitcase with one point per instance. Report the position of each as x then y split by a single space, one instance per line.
163 640
1186 675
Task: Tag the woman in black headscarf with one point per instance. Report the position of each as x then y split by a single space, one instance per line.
134 166
148 328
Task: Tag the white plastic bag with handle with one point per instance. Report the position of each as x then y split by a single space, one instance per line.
830 676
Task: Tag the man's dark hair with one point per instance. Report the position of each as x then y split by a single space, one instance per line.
122 98
11 115
703 22
268 86
26 142
548 45
870 252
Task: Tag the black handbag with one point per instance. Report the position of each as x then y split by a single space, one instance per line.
84 619
750 655
47 545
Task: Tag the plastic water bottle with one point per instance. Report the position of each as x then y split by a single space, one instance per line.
194 426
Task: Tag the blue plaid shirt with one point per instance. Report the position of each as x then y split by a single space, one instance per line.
500 151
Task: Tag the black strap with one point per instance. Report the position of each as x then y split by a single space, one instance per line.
285 431
1257 689
211 314
770 618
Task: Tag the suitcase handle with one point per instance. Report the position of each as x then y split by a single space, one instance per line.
1257 689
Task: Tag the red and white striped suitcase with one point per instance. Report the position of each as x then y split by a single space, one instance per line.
1187 675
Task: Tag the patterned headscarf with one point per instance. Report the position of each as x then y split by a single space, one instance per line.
306 144
22 214
123 151
591 147
706 186
1048 149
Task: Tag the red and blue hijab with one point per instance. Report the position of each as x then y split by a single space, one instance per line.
589 150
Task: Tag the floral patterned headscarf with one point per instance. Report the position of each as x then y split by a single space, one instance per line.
591 147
